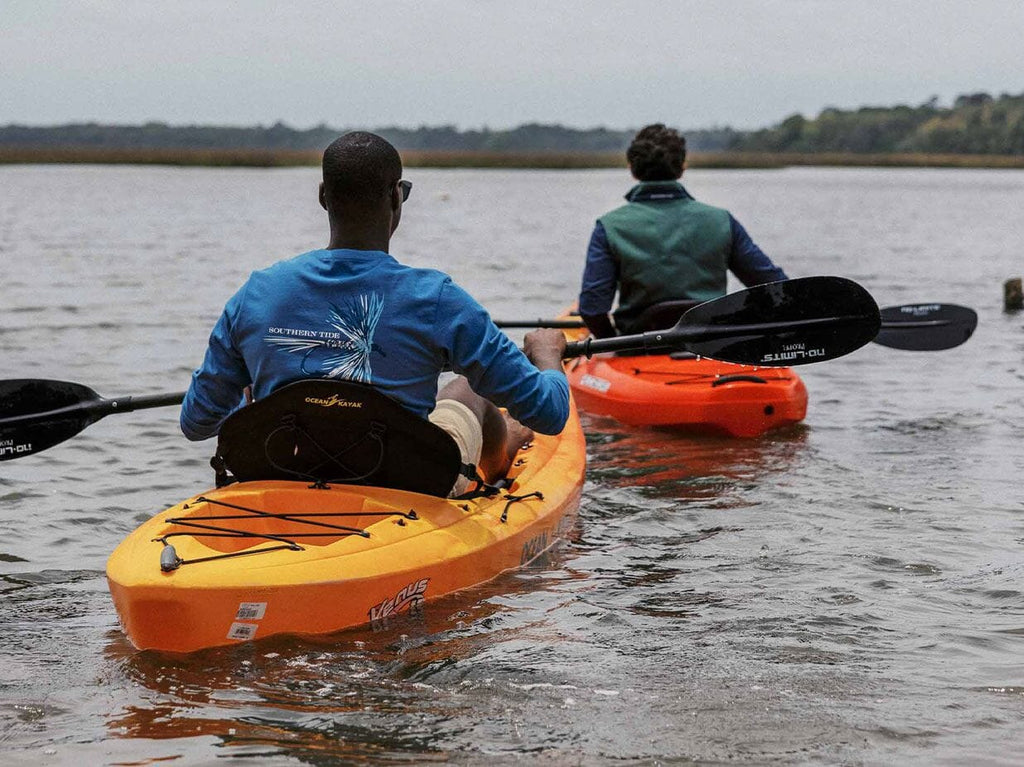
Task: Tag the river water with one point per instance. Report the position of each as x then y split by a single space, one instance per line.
846 592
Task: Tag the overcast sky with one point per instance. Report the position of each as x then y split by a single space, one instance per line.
499 63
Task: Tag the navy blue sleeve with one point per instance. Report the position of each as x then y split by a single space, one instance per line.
747 261
600 275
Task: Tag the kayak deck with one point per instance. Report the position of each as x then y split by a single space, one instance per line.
254 559
693 394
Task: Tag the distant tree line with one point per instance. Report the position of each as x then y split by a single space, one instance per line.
975 124
532 137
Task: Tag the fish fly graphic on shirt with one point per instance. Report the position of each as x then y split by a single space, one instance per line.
343 352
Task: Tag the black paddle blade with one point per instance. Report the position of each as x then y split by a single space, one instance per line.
926 327
37 414
793 322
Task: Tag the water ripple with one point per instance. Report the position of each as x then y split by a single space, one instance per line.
845 592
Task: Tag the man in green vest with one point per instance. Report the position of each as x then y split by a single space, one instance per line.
663 245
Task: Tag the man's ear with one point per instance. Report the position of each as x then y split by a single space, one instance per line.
323 198
396 207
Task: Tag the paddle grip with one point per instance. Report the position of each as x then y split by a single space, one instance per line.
127 404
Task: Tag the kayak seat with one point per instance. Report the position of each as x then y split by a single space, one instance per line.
664 314
329 431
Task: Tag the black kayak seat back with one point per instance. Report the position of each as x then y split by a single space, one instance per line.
331 431
664 314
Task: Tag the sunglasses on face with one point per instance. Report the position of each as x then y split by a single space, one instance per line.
406 187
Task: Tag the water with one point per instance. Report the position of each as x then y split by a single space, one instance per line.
846 592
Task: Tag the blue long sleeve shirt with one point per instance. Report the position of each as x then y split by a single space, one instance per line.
601 272
362 316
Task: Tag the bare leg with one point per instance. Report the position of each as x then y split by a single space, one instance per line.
503 436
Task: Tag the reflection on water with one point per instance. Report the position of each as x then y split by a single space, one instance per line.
847 592
684 467
360 694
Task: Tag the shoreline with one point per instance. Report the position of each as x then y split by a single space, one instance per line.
540 160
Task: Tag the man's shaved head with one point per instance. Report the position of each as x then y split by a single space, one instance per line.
360 169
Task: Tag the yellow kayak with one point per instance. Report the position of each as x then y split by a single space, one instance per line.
258 558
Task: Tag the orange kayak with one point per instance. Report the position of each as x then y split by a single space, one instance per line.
685 392
294 559
698 395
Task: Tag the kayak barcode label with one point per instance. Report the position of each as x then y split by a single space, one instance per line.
593 382
242 631
251 611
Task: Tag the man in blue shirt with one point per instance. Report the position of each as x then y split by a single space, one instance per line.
663 245
353 312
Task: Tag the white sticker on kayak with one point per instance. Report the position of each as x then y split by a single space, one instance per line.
593 382
242 631
251 611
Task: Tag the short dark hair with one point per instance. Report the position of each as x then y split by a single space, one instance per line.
657 154
359 168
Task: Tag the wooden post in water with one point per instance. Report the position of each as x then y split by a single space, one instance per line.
1013 296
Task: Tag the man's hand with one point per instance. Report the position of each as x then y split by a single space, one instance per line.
544 347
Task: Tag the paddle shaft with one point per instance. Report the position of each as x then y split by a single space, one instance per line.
558 324
910 327
578 324
673 338
98 408
914 324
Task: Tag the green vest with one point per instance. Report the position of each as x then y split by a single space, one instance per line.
668 247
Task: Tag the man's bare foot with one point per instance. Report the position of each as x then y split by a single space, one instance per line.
516 435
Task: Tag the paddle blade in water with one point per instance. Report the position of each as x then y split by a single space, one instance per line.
38 414
926 327
793 322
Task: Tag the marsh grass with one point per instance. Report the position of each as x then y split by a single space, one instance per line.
853 160
283 158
